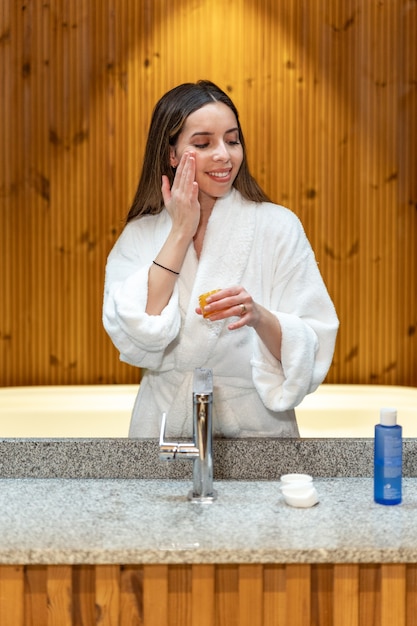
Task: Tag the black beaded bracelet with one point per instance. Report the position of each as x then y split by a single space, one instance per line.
165 268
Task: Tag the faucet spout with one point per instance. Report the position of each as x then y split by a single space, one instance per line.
200 450
203 464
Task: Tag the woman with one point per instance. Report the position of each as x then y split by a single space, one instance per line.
200 222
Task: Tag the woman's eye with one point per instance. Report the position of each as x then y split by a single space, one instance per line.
200 145
234 143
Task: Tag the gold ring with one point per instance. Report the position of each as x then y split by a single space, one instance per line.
242 309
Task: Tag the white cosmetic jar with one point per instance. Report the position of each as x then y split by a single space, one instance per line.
298 490
300 496
290 479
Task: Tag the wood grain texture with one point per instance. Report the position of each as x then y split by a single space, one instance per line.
328 100
298 592
107 594
251 605
61 595
346 595
227 595
155 595
12 599
203 594
208 595
393 594
275 601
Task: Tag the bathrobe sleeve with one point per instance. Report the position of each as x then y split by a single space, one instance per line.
300 301
140 338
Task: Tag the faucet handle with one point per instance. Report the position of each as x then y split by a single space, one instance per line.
168 450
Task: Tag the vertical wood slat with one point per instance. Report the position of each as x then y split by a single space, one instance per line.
329 106
60 595
179 595
107 600
346 595
275 600
155 595
134 581
227 595
370 594
251 595
393 594
411 591
84 594
36 597
203 595
299 594
12 599
323 595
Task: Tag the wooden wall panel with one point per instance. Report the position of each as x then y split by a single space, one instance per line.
168 595
327 93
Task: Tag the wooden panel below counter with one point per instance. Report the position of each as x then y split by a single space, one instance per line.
209 595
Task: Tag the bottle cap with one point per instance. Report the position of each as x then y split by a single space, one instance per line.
388 416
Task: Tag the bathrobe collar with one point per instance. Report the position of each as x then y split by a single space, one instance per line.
227 243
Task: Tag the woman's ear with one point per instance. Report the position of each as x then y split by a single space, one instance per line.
173 157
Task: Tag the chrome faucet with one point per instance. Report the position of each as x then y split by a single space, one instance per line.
200 450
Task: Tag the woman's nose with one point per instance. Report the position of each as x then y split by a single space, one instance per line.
221 152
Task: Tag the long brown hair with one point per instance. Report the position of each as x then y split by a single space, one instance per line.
168 119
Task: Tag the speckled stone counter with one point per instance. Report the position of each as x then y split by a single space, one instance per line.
150 521
240 459
114 501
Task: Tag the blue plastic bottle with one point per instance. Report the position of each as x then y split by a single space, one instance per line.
388 459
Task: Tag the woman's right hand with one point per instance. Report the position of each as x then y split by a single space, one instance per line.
181 200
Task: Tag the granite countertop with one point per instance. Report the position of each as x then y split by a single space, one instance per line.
70 521
114 501
234 459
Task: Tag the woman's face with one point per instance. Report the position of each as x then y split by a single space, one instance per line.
211 133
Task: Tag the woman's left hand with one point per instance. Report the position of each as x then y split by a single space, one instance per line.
236 301
232 302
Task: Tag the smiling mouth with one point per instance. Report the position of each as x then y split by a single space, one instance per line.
220 175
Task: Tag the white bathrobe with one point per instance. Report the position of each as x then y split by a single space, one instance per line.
260 246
